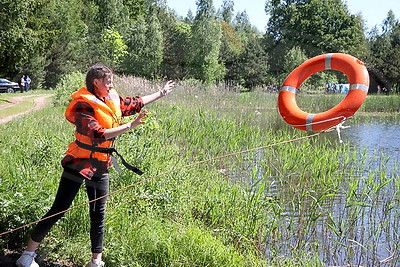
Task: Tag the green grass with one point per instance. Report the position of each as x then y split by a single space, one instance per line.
172 203
15 109
373 103
4 101
226 212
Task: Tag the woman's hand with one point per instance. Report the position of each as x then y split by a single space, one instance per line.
138 121
167 88
157 95
114 132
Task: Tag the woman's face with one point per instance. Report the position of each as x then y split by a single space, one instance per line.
103 86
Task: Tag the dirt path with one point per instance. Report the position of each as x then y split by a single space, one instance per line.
40 102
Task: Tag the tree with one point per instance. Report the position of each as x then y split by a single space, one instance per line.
43 38
145 47
18 41
389 23
231 42
205 9
384 56
136 8
316 26
251 67
113 13
176 49
189 17
227 11
115 47
242 23
232 45
66 33
292 59
175 36
205 44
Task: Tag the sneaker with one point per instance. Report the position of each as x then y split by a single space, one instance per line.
27 261
93 264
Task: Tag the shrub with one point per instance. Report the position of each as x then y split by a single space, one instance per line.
69 83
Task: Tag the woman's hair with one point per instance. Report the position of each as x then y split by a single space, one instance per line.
96 72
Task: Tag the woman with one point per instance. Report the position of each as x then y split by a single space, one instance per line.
96 112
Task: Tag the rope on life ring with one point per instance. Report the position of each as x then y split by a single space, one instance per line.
358 77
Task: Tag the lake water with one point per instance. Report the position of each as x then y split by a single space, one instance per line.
375 233
378 136
360 225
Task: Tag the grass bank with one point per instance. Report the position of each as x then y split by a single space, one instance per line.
228 212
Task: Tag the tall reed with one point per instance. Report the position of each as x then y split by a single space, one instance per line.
281 206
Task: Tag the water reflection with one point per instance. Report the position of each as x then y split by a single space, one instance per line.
374 210
378 135
359 224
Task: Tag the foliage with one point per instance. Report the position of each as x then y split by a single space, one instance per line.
136 8
50 38
227 11
68 84
205 45
242 22
15 35
251 67
116 47
316 26
384 58
112 13
232 44
294 58
145 45
176 49
66 47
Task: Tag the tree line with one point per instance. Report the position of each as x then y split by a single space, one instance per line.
50 38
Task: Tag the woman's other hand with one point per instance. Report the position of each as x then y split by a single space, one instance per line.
138 120
167 88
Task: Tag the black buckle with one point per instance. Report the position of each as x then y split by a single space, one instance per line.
109 150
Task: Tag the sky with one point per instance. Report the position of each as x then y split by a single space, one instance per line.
372 11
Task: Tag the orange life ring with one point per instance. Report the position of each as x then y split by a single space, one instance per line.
358 77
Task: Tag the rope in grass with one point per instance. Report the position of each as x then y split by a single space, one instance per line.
165 173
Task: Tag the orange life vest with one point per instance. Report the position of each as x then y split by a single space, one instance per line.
107 113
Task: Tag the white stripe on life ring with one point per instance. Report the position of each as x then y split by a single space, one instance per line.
289 89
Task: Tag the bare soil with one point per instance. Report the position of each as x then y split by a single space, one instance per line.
40 102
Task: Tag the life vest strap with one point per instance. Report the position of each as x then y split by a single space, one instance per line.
109 150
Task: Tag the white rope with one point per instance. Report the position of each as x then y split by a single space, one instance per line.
338 127
312 123
161 174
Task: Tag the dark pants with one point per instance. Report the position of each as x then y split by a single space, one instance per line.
69 186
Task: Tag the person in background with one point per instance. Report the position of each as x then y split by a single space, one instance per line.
22 84
27 83
95 111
